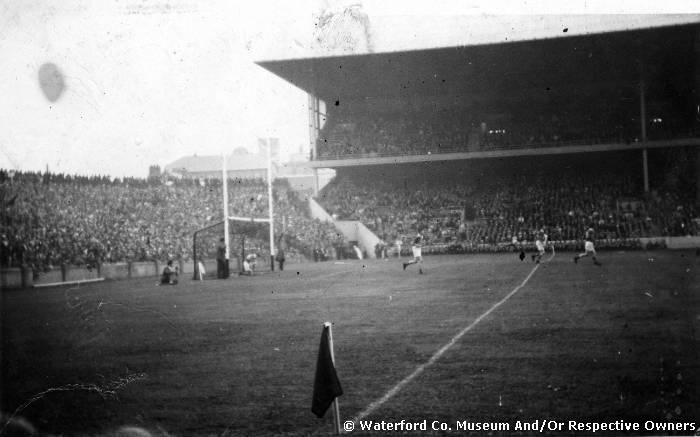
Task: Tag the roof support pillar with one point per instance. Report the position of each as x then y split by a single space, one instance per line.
316 189
643 122
314 125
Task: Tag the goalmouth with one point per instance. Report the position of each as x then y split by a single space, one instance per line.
242 236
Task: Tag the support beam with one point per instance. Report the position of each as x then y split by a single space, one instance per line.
524 150
314 125
645 169
643 122
316 185
270 205
224 184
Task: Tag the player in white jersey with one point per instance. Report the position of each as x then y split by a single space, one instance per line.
541 241
249 264
589 248
417 255
540 244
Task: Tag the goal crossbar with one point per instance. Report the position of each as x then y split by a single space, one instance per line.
249 219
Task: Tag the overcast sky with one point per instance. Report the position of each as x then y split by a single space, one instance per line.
147 82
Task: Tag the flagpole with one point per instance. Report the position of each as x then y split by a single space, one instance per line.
336 410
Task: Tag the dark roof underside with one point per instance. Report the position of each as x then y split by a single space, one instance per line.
555 65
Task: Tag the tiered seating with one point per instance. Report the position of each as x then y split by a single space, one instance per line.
50 219
367 135
507 206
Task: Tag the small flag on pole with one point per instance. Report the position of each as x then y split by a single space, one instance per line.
326 384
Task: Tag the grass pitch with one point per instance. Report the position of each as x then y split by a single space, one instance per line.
237 357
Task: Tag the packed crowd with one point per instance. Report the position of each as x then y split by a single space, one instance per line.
300 233
378 135
49 219
391 211
496 210
396 134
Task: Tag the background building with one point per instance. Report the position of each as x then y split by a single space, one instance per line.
240 164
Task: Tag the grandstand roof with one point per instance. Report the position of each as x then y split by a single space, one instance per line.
483 55
210 163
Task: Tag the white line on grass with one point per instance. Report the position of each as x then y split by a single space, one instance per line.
436 356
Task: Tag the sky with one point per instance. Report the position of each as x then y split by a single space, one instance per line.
147 82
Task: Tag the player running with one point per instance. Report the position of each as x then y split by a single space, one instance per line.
588 247
540 243
417 258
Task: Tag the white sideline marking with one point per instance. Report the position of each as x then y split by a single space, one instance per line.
78 281
436 356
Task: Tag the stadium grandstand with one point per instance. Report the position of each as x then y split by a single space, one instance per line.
52 220
478 138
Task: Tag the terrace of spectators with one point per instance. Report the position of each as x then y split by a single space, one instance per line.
490 202
54 219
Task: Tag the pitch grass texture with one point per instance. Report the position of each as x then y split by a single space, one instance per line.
237 357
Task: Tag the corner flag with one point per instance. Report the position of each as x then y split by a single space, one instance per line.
326 384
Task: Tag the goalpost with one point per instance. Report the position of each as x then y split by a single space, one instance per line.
246 235
205 247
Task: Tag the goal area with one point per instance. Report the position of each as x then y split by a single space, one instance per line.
247 236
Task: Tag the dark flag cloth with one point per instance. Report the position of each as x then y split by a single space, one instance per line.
326 383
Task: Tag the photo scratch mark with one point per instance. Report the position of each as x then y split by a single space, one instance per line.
88 310
106 391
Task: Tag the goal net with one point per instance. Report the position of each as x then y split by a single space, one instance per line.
249 239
